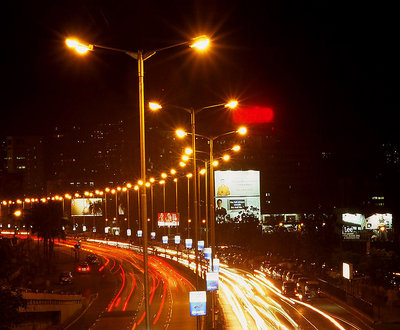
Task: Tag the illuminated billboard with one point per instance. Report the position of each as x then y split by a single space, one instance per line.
378 220
356 226
170 219
237 196
86 207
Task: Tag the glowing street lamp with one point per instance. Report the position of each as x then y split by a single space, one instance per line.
181 133
200 43
154 106
236 148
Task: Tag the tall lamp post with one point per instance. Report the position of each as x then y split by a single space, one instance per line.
199 43
232 104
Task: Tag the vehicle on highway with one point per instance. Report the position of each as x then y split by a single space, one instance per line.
65 278
295 276
309 290
83 268
92 259
301 281
288 289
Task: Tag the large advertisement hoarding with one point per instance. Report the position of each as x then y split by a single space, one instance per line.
170 219
86 207
237 196
356 225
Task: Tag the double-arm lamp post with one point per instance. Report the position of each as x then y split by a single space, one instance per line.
193 112
199 43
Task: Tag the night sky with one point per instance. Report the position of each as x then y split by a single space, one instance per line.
329 69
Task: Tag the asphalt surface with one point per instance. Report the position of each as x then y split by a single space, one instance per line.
117 291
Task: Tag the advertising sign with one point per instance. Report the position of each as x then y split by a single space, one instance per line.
207 253
169 219
378 220
354 218
177 239
351 232
200 245
198 303
153 235
347 271
215 265
86 207
188 243
237 196
139 233
165 239
122 206
212 281
128 232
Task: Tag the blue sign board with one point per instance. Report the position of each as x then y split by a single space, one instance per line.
215 265
212 281
200 245
165 239
177 239
207 253
198 303
139 233
188 243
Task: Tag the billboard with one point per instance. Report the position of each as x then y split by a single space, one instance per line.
355 225
81 207
122 207
169 219
378 220
198 303
237 196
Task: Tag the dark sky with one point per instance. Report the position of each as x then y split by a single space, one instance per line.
329 69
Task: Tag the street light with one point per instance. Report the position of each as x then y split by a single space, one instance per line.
188 176
200 43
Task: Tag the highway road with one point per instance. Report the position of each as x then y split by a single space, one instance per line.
122 270
249 300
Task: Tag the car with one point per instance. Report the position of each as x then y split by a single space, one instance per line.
92 259
288 288
83 268
65 278
294 277
309 290
301 281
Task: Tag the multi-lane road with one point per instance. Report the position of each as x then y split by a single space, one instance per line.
124 308
249 300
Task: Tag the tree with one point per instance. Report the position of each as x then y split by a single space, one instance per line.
47 222
10 302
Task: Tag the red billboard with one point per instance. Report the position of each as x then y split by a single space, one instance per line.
169 219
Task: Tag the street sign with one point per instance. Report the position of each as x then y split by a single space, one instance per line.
153 235
128 232
165 239
139 233
177 239
198 303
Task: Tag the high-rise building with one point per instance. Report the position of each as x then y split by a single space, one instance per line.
23 165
